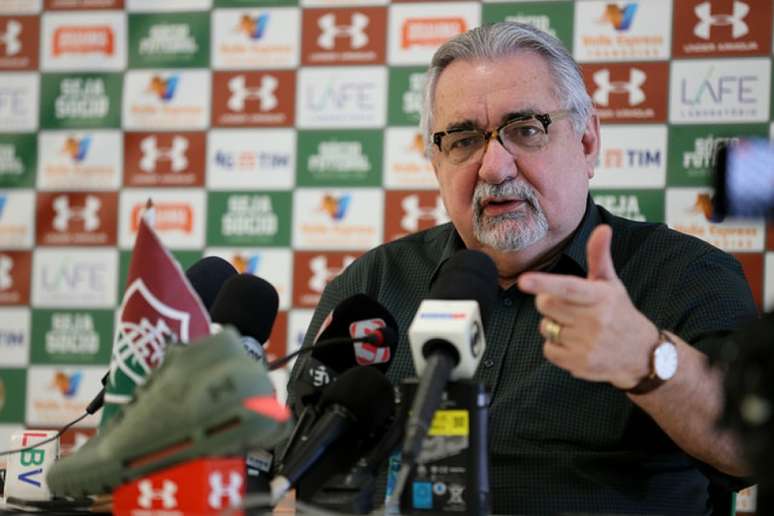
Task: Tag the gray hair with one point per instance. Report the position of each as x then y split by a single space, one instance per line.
502 40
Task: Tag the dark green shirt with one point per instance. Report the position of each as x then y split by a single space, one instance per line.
558 443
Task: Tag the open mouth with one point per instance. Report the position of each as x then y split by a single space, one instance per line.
496 206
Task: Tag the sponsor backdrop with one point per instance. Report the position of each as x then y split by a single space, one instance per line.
282 136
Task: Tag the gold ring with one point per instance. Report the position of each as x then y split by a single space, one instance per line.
553 329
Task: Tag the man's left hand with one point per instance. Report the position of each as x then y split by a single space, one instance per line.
602 335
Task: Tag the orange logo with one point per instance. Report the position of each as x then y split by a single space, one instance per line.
171 216
430 31
84 40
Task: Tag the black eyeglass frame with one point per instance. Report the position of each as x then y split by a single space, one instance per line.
545 120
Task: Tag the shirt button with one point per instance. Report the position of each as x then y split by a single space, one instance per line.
507 301
488 363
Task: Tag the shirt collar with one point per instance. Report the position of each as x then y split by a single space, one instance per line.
571 261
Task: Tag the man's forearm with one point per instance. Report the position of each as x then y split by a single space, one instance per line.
687 408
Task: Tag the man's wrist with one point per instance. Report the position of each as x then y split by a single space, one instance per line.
662 363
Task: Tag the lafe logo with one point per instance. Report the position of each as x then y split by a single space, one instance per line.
148 495
264 93
67 385
88 213
633 87
253 28
322 274
355 31
708 19
620 18
219 490
163 88
84 40
6 264
175 154
430 32
335 208
10 37
76 149
413 212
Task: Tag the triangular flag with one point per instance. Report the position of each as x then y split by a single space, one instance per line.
159 307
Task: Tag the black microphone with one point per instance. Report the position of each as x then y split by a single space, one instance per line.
447 342
248 303
207 276
358 404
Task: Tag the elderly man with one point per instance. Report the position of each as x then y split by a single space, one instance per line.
602 400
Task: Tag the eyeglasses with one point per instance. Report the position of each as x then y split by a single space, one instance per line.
528 132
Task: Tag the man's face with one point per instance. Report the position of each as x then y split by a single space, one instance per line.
500 202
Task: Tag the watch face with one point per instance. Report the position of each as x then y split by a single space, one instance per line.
665 360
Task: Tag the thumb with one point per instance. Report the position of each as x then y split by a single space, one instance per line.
600 262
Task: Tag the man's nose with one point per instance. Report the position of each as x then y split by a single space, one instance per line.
497 164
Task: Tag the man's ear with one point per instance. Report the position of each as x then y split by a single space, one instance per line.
590 143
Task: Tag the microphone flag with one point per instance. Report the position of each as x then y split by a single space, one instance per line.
159 306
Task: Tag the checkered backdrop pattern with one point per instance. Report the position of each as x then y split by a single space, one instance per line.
282 136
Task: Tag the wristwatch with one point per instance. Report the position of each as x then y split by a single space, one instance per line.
663 365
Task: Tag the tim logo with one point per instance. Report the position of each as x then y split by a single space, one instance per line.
355 31
253 28
264 93
413 213
708 19
76 148
67 385
88 213
163 88
174 154
9 37
336 208
630 87
620 18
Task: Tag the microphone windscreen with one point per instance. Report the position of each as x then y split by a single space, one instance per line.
468 275
248 303
366 393
207 276
354 310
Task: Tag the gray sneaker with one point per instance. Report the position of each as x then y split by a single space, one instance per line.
206 399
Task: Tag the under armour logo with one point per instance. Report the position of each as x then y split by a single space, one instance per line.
10 37
88 213
605 87
166 494
152 154
322 274
219 491
330 31
413 212
6 264
264 93
707 19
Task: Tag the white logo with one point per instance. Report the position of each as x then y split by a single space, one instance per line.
330 31
166 494
455 494
218 491
6 264
707 20
322 274
152 153
605 87
264 93
88 213
413 212
11 37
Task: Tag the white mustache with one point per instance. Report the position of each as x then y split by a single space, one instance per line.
513 188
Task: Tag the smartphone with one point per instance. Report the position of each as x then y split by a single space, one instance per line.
744 180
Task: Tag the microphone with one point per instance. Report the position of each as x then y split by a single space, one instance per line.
355 406
248 303
207 276
447 342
